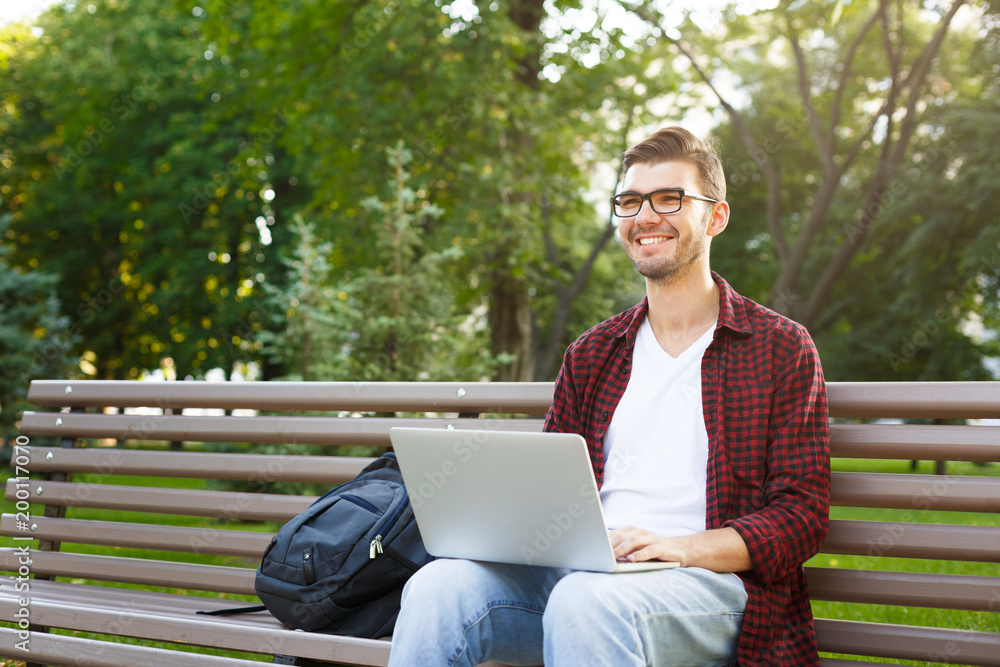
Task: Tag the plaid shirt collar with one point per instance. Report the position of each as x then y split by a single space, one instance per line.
732 314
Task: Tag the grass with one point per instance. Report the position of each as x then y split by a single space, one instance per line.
981 621
964 620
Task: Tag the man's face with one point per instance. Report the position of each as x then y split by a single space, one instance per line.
664 247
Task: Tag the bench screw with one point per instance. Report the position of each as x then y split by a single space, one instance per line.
58 421
461 393
38 491
49 456
34 527
69 389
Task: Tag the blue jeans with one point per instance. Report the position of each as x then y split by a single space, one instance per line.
458 612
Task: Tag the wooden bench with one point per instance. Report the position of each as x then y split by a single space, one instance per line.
90 593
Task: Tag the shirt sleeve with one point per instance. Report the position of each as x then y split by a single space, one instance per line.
793 523
562 415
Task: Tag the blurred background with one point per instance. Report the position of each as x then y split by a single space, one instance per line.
411 190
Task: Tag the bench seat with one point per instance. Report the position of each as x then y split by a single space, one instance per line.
171 618
69 651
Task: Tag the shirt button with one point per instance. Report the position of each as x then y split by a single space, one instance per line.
604 416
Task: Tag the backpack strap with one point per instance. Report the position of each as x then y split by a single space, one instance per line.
236 610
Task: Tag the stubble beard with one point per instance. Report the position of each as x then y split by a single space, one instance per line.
665 270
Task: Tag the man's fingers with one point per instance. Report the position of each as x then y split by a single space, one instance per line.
627 542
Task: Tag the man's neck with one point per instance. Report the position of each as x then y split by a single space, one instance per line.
682 310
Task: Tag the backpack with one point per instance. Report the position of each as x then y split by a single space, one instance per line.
339 566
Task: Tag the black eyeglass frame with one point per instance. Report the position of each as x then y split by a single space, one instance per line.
649 197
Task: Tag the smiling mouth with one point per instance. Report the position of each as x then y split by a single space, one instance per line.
650 240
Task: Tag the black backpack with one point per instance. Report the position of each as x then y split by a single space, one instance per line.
339 566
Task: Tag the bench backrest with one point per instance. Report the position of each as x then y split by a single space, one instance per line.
140 416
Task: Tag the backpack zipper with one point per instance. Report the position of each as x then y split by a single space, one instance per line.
360 502
376 545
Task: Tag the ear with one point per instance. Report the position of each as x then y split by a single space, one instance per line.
719 220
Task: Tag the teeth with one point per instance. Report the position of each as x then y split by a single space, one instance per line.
653 239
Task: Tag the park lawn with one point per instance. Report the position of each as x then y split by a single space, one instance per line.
981 621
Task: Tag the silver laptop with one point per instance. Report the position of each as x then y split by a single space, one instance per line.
508 497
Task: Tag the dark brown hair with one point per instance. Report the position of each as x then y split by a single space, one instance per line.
676 143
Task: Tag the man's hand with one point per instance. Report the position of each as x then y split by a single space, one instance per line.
636 545
720 550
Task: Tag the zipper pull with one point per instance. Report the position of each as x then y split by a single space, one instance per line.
376 546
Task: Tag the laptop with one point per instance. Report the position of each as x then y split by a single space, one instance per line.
507 496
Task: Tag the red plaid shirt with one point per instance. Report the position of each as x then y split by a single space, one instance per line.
764 400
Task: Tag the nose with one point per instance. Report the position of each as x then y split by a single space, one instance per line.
646 214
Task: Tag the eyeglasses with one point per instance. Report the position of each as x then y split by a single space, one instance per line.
668 200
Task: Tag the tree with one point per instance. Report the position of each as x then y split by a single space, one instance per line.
35 337
404 323
505 149
394 321
134 178
300 335
842 134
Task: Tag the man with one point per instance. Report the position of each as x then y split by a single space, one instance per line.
706 419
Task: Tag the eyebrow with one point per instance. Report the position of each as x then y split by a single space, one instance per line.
636 192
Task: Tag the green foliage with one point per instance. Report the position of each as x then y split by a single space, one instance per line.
303 314
134 180
155 156
859 201
508 152
34 337
390 321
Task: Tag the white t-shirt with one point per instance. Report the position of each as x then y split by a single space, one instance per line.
656 448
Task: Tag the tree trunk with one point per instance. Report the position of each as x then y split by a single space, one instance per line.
510 314
510 326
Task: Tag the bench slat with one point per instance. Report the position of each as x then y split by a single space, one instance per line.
909 642
892 441
52 649
144 571
143 601
220 504
143 536
840 662
913 540
901 491
171 618
103 461
371 431
935 400
861 538
869 587
489 397
907 589
926 442
846 399
883 490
